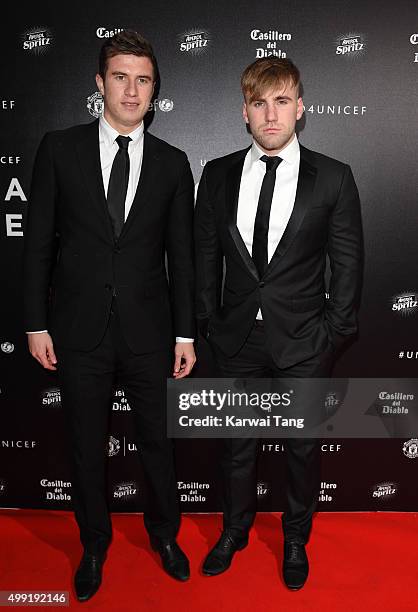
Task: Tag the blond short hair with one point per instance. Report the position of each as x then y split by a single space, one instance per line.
267 73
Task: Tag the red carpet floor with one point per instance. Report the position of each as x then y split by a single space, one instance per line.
359 562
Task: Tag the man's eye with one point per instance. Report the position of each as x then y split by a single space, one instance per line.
120 77
258 104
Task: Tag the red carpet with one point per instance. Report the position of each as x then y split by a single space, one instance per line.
359 562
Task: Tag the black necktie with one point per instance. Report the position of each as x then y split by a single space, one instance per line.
262 218
118 185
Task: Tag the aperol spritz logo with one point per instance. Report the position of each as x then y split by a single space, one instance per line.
351 45
37 40
194 42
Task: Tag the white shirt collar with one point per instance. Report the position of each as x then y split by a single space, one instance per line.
289 154
108 134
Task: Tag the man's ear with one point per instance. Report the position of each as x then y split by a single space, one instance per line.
100 84
244 112
299 111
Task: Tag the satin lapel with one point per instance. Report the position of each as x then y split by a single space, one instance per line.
88 152
305 186
233 181
148 176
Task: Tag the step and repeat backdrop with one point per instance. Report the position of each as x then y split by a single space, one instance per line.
359 66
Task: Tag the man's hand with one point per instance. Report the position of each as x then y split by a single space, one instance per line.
185 359
42 348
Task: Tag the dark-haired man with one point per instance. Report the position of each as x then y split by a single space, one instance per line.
119 200
273 212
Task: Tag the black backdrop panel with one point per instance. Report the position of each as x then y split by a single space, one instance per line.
359 63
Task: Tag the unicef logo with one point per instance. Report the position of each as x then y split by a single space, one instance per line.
114 446
7 347
166 105
95 104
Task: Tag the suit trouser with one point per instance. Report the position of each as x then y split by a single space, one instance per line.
87 380
238 457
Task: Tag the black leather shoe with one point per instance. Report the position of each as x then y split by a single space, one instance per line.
221 555
174 561
295 564
88 576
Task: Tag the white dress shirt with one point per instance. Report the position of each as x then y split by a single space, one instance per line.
108 149
283 196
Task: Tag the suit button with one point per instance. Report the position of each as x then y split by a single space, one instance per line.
116 250
261 284
108 287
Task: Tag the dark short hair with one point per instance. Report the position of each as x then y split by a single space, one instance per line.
266 73
126 42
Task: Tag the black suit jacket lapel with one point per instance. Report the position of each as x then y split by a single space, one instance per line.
88 152
149 173
233 181
304 190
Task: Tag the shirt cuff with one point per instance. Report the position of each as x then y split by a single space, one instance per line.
180 339
42 331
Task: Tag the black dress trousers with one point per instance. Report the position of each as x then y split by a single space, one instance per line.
87 380
238 457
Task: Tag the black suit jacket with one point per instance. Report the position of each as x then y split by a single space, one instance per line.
299 321
69 291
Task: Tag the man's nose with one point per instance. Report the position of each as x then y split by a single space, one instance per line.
131 88
271 112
